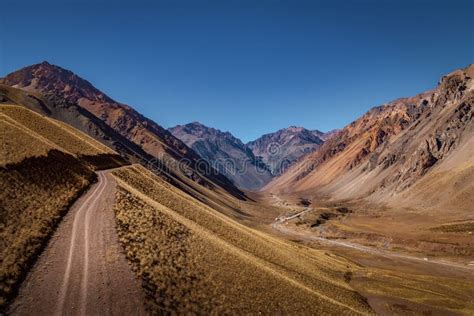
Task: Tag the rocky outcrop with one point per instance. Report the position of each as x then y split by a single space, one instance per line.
391 147
442 125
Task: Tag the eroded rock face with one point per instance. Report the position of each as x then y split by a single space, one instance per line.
438 126
392 146
281 149
226 153
450 115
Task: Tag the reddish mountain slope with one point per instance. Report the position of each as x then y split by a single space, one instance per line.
392 147
156 146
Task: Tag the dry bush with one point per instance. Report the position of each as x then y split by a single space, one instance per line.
35 194
160 251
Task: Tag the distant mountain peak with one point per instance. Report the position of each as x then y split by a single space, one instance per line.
222 150
282 148
51 78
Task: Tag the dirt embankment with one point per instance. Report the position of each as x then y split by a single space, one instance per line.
83 269
36 193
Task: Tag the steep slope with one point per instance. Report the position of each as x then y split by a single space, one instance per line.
190 257
76 116
225 153
44 166
69 94
200 261
328 135
281 149
392 147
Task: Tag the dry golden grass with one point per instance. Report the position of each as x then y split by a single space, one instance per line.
18 145
58 133
35 194
44 167
193 258
420 293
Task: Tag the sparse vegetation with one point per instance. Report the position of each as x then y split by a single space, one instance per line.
422 291
57 133
348 276
35 194
192 258
39 134
305 202
455 228
44 167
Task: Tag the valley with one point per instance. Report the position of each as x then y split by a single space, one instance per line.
102 205
387 267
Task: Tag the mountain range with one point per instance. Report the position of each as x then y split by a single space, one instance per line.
388 150
226 153
192 220
61 94
99 215
281 149
252 165
401 152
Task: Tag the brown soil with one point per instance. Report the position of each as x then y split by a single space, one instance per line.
399 274
83 270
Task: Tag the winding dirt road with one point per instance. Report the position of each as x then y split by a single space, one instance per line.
279 225
82 271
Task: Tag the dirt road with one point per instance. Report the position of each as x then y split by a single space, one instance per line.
280 226
82 271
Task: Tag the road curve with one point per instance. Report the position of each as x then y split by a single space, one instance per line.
82 270
279 225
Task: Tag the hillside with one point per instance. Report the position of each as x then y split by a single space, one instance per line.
60 93
45 166
405 171
203 261
279 150
387 153
189 247
225 153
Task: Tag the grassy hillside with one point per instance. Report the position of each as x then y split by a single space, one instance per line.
193 258
45 166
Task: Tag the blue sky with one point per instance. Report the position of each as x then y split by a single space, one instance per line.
248 67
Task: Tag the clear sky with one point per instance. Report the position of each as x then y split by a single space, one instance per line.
248 67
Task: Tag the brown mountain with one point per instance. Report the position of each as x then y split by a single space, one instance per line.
225 153
61 94
190 254
281 149
396 152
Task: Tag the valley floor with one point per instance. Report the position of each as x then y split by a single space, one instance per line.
401 279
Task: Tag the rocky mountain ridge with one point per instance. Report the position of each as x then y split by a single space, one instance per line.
267 156
61 94
226 153
393 147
